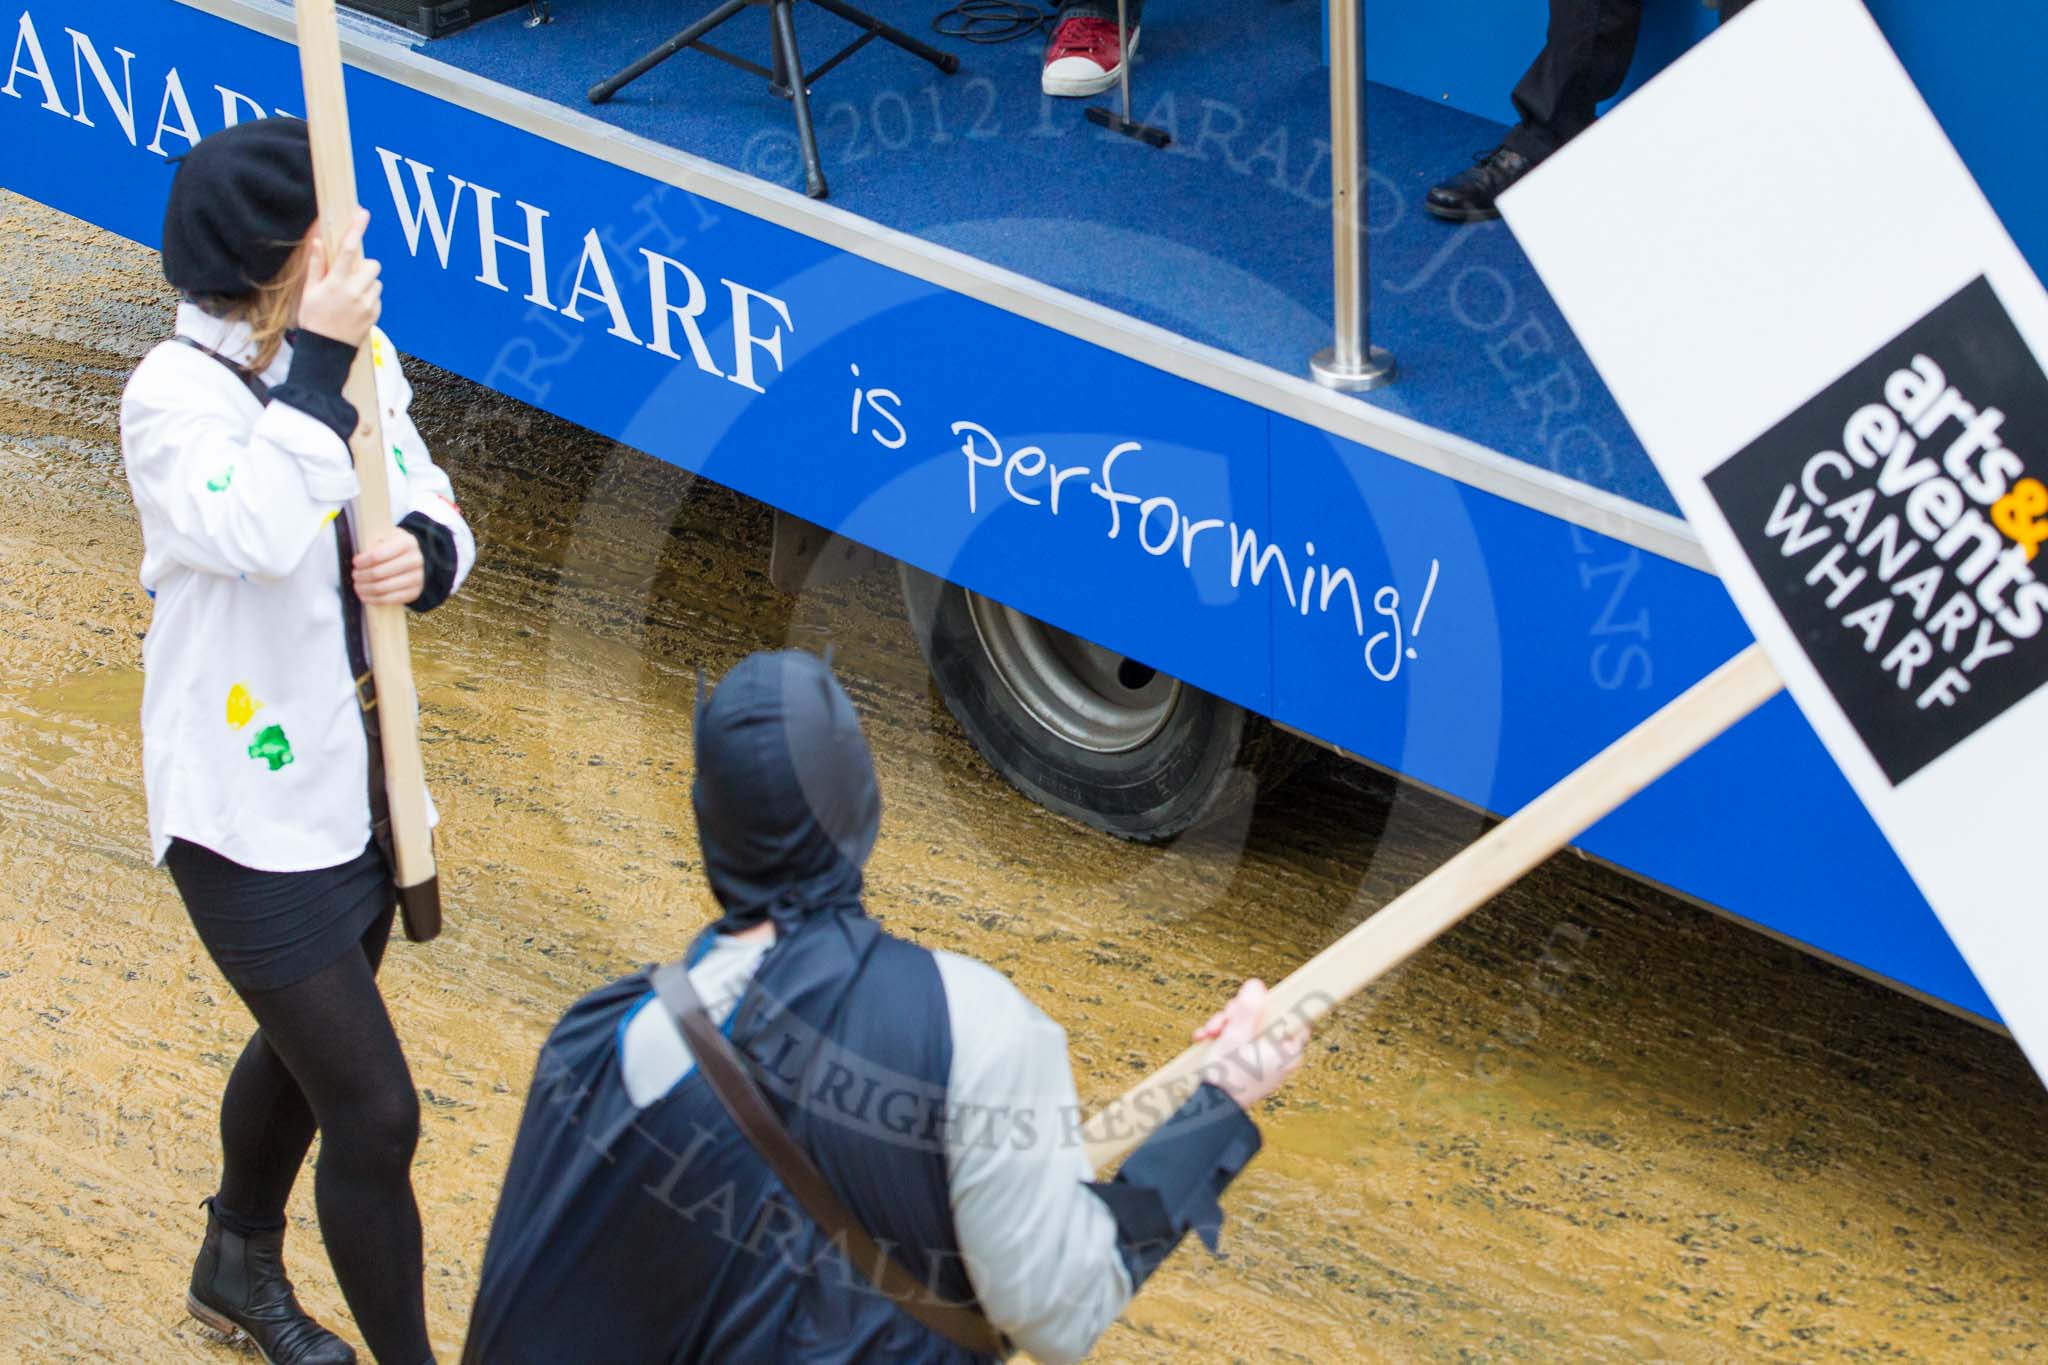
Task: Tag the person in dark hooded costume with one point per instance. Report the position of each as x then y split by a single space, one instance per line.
638 1225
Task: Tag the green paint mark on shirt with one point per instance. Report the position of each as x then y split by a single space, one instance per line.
219 482
270 746
399 456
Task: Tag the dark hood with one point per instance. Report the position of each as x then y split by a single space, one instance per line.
787 812
786 799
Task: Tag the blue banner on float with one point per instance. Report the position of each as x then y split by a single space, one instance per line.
1470 642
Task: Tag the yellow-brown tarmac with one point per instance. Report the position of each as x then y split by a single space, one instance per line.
1592 1123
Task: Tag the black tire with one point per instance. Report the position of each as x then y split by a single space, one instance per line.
1148 793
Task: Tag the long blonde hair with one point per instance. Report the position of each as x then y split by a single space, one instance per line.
271 309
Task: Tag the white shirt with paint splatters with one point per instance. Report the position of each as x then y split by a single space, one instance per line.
252 745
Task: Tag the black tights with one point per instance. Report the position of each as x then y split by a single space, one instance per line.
325 1055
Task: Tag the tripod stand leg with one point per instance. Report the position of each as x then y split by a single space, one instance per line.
791 63
611 85
778 60
944 61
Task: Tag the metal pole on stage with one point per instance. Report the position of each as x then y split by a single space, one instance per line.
1352 363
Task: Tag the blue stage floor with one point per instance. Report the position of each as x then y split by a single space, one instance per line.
1223 238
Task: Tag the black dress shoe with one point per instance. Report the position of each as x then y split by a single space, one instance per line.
239 1289
1468 196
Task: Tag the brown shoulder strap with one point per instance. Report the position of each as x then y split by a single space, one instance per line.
960 1323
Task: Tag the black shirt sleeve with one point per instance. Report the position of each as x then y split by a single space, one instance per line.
1173 1182
313 384
437 547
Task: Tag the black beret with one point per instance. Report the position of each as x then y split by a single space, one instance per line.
241 201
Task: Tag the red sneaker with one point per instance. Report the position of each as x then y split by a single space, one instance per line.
1083 57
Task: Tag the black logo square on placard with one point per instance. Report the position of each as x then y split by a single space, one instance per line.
1898 518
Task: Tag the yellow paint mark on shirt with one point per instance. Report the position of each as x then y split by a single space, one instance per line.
332 513
242 706
376 353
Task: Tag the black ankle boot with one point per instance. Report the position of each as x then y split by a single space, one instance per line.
1468 196
239 1289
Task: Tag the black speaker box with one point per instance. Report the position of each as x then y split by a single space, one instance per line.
434 18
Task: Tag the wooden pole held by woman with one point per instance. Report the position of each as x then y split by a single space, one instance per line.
1463 884
334 181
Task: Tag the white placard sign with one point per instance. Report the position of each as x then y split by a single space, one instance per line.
1832 350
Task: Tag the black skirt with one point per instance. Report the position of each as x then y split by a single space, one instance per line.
269 929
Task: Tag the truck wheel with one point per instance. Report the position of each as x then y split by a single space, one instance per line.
1082 730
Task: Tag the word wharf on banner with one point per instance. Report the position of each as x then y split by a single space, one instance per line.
669 306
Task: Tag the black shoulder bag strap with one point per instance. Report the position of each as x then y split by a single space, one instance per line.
249 378
960 1323
366 707
358 665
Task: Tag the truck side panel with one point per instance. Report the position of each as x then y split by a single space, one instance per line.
1468 641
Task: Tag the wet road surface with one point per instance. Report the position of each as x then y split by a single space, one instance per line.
1593 1122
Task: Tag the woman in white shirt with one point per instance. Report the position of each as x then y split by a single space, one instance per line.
235 435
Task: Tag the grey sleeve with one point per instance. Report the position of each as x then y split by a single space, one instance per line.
1040 1246
1053 1257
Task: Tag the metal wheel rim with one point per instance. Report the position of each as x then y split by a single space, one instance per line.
1077 691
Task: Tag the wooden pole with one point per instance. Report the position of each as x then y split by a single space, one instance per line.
334 182
1462 885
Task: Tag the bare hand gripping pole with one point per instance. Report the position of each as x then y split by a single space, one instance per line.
1463 884
334 182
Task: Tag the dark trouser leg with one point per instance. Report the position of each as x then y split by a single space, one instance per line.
266 1126
1584 60
334 1035
1731 8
